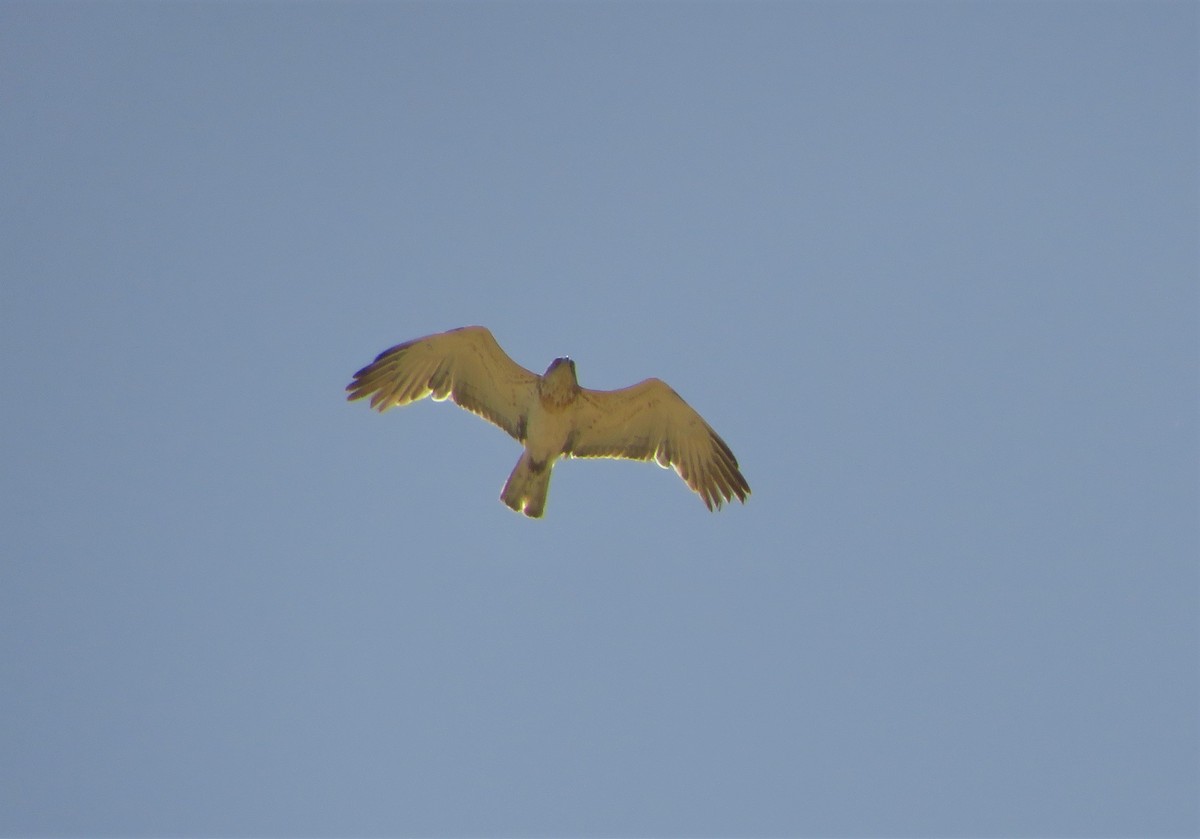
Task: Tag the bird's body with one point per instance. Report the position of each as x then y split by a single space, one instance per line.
552 415
549 421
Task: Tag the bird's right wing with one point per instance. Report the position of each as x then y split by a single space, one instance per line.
465 365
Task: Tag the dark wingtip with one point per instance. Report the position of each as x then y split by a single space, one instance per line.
399 348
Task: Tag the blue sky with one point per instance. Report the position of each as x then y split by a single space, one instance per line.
929 268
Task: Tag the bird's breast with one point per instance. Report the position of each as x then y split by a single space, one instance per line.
548 428
554 400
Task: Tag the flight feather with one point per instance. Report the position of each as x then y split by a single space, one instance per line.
650 421
465 365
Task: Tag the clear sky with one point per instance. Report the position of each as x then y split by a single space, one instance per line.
929 268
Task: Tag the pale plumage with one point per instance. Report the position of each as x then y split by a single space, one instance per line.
552 416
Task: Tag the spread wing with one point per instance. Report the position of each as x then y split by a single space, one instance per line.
466 365
651 421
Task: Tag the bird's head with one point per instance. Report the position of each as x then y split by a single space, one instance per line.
562 368
559 383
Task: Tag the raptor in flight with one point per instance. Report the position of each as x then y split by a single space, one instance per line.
552 416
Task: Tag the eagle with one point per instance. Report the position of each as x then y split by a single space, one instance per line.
551 415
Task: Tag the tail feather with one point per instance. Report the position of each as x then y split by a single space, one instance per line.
526 488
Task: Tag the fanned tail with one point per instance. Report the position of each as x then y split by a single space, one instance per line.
526 488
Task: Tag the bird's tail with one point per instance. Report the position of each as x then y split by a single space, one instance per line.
526 488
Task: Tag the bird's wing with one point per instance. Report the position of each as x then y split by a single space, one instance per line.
650 421
466 365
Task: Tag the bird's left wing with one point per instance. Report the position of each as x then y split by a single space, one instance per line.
466 365
650 421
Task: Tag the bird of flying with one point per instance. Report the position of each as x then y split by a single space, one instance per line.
552 416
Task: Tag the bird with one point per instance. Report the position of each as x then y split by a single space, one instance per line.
551 415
